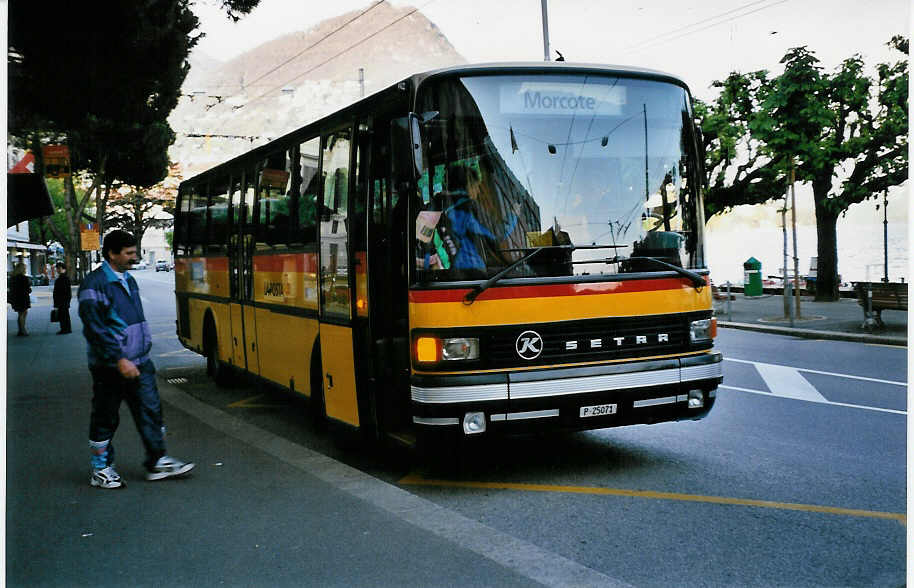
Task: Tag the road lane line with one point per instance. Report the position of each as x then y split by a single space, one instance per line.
844 404
415 480
788 383
811 371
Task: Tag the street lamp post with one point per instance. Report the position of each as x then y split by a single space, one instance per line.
545 31
885 235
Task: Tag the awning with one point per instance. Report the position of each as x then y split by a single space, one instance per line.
27 197
24 245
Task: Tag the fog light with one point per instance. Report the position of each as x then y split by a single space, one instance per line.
696 399
474 422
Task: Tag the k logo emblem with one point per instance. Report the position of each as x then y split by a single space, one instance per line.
529 345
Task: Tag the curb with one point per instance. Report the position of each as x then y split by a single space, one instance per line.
814 334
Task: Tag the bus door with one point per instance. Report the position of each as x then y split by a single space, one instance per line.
387 288
336 277
241 273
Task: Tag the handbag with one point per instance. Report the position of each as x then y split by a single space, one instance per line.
55 318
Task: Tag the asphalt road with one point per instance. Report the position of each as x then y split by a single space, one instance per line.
797 477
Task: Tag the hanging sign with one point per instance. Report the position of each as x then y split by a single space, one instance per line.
56 161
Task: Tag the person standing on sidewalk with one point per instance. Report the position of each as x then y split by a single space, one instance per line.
119 343
19 290
62 294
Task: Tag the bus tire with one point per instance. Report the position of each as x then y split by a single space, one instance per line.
215 368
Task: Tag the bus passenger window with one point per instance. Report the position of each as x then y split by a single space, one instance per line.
180 236
196 222
218 216
310 193
273 218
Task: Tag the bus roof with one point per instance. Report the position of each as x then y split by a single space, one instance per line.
546 67
505 68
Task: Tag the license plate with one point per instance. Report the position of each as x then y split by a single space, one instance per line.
598 410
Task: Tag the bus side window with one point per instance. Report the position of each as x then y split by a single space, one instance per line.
218 214
195 242
273 221
310 191
180 236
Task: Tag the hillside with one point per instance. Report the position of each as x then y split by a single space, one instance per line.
294 79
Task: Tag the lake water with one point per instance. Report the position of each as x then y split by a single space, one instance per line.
859 245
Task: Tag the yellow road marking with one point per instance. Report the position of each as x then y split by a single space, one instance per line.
415 480
250 403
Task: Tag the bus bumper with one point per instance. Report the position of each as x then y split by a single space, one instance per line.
595 397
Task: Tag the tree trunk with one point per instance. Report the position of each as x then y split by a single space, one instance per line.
826 250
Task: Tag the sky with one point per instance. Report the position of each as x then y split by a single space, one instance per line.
697 40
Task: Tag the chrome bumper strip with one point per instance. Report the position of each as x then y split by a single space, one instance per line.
566 386
435 421
654 401
451 394
531 414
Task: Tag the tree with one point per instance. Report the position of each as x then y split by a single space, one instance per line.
139 211
102 78
738 171
845 133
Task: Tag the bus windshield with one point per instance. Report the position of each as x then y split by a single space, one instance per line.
594 173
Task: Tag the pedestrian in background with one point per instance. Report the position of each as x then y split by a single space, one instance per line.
62 294
19 296
119 343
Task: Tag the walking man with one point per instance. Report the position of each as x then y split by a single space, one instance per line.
119 343
63 293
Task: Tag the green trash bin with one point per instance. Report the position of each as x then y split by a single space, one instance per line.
752 277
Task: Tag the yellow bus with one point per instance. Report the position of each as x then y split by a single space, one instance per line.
473 251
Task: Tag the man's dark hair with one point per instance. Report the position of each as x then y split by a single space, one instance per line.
61 265
115 241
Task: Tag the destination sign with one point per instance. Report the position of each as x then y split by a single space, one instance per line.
557 98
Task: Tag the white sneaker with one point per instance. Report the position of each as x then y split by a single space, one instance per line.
105 478
168 467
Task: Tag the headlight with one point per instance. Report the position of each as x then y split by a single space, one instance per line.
461 348
433 349
703 330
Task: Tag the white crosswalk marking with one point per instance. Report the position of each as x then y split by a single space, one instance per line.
787 382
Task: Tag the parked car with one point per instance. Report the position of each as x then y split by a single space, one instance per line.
163 265
140 265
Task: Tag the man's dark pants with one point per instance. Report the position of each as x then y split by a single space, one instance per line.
142 397
63 313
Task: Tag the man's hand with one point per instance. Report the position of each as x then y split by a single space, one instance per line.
127 368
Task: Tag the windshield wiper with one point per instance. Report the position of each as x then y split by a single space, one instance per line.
532 252
697 281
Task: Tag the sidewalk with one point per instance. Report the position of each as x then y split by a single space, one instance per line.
841 320
258 509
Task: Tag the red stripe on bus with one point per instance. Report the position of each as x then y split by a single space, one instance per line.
211 264
551 290
286 262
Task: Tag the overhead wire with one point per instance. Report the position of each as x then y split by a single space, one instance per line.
672 35
346 50
311 46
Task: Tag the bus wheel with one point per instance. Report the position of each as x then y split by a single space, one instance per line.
316 409
216 369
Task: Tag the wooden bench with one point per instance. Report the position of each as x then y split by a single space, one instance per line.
882 296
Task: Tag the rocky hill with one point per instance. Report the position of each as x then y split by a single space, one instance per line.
285 83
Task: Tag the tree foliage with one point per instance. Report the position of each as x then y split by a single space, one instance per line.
738 170
102 78
845 133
